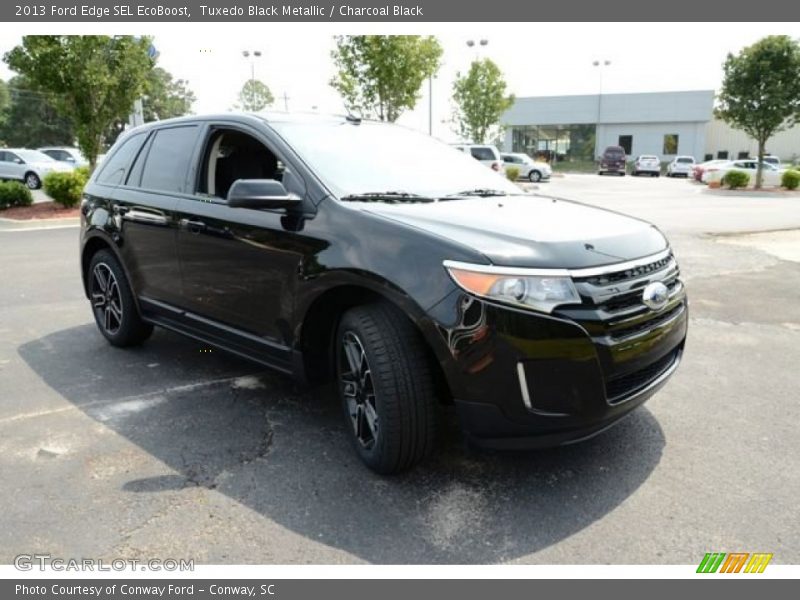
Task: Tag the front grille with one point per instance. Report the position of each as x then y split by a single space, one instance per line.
611 303
619 388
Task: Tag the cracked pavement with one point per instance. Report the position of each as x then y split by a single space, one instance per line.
169 450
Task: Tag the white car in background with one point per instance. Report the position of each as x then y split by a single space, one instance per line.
485 153
771 174
65 154
680 165
29 166
530 169
646 163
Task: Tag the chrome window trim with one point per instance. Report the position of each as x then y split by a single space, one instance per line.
574 273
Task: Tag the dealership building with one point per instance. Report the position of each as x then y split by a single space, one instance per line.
578 128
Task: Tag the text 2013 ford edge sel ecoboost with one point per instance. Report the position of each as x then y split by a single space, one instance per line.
332 248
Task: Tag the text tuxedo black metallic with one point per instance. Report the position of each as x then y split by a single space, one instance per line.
331 247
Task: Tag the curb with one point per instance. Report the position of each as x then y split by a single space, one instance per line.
38 224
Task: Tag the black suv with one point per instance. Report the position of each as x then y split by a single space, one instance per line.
332 248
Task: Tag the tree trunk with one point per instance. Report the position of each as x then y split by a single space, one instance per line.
759 167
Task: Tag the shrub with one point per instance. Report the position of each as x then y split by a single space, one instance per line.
736 179
790 180
66 188
512 173
14 193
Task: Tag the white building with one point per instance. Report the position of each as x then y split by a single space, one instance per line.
578 128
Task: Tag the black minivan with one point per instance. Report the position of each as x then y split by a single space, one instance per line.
338 249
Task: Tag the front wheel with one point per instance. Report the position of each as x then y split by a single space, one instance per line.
535 176
114 308
32 181
386 387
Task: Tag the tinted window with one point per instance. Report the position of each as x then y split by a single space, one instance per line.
168 159
115 167
482 153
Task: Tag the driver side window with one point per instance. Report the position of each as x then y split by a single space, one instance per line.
231 155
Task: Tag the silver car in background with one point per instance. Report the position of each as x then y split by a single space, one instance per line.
533 170
680 165
67 154
29 166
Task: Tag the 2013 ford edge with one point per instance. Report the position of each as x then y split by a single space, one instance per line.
332 248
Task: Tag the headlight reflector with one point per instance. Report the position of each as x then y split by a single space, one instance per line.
539 291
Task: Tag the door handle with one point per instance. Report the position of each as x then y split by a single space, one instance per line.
193 225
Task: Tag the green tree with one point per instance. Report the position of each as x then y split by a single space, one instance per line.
380 75
31 119
164 98
255 96
480 98
93 79
761 90
5 102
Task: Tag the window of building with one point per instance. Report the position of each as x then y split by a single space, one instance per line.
670 143
626 141
168 159
722 155
743 155
563 143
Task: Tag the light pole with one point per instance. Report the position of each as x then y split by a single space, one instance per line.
255 54
601 65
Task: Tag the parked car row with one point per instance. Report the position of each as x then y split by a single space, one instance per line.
29 166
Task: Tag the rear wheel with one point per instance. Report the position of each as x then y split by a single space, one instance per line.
386 387
113 305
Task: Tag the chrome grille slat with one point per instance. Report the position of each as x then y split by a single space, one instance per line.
612 306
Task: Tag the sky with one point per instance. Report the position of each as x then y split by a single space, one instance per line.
538 59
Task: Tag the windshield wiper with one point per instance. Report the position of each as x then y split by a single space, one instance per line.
390 196
481 192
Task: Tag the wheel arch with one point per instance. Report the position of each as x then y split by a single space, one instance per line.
320 321
95 241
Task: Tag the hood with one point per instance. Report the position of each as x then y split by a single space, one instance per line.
531 231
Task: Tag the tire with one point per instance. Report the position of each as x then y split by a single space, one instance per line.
382 369
32 180
535 176
113 305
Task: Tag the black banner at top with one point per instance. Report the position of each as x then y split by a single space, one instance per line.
51 11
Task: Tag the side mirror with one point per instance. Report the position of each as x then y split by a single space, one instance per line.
70 159
260 193
19 161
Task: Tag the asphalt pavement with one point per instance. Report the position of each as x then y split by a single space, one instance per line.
172 450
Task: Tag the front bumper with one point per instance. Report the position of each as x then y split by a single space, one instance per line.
522 379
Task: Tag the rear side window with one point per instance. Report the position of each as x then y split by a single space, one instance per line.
115 167
168 159
482 153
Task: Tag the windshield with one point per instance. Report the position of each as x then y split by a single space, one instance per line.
372 158
33 156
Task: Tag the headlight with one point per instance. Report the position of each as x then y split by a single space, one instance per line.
542 290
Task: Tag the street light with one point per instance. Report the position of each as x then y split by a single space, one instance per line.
601 65
255 54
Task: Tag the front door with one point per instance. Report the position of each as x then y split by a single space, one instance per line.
239 265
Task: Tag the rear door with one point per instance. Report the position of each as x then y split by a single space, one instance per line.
144 206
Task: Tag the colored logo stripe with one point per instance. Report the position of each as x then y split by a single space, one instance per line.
734 562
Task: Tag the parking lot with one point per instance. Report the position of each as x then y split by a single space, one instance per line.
171 450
